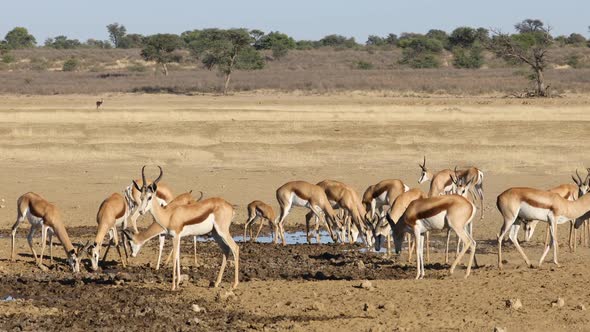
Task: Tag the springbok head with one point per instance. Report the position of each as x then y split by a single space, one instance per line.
75 256
148 192
424 175
583 185
460 184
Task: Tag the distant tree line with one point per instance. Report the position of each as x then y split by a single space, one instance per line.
239 49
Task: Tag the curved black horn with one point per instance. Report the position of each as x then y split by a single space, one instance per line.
423 166
579 177
159 176
200 198
143 176
126 234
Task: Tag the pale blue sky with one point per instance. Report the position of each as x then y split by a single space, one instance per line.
302 19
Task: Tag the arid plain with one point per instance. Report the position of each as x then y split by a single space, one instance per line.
242 148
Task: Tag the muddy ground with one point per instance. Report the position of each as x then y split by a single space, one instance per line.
242 148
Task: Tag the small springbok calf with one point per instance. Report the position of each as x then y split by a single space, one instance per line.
259 210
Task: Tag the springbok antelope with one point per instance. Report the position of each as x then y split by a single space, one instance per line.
210 215
258 210
99 103
571 192
461 187
182 199
112 213
437 212
524 204
47 217
398 208
441 183
304 194
381 194
163 196
342 196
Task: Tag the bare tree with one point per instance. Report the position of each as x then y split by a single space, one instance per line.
529 46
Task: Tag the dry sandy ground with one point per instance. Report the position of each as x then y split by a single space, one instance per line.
242 148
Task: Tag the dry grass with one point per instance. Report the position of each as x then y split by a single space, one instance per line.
37 71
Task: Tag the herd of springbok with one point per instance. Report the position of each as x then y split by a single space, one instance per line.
388 210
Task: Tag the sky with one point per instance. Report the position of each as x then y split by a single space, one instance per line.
302 19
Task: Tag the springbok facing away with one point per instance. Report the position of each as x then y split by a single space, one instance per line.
342 196
259 210
571 192
523 204
383 193
437 212
99 103
112 213
304 194
47 217
210 215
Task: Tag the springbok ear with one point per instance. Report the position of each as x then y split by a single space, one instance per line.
154 187
453 179
88 246
136 185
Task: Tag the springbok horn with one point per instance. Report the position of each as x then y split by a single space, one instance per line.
144 184
125 232
575 180
579 177
159 176
200 198
423 166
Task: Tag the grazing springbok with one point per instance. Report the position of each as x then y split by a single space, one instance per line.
112 213
381 194
571 192
437 212
398 208
524 204
342 196
212 215
163 196
259 210
47 217
304 194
